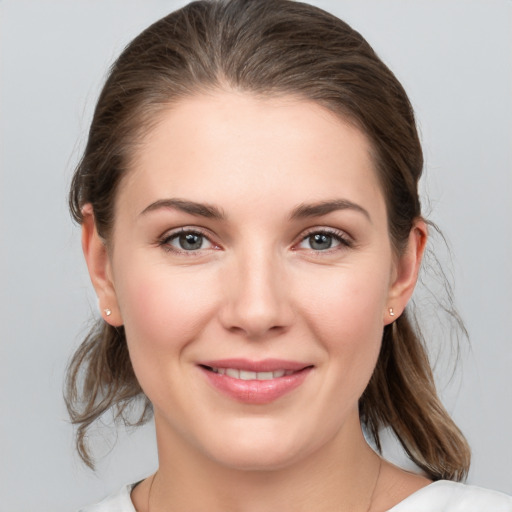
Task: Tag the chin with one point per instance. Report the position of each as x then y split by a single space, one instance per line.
257 459
260 452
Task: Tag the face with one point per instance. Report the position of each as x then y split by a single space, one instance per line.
251 266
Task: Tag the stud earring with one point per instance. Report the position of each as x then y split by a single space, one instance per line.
391 312
108 312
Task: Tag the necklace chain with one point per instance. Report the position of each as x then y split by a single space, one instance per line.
374 485
367 510
150 489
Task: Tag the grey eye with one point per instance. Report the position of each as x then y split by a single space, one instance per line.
320 241
323 240
189 241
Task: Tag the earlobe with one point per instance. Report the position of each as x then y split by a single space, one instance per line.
98 264
406 272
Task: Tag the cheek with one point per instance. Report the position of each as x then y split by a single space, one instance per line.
164 310
345 311
163 307
346 302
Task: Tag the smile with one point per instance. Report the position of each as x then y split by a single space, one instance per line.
255 383
236 373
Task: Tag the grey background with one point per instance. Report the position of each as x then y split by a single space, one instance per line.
454 59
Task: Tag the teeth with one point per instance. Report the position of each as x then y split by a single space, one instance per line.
247 375
232 372
244 375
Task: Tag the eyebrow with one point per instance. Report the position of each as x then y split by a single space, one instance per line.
191 207
212 212
324 207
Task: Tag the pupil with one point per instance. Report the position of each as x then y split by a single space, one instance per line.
191 241
321 241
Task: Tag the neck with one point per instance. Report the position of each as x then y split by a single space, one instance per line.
340 476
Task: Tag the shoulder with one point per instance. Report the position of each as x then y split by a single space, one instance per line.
118 502
446 496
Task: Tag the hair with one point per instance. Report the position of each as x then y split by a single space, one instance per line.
270 48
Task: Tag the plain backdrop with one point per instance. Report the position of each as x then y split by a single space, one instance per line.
454 58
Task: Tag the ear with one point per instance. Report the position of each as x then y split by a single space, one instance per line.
406 272
100 272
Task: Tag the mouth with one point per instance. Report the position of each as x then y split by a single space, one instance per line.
255 382
237 373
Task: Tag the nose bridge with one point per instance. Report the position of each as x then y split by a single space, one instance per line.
258 302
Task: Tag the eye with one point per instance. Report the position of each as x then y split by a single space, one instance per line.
186 241
324 240
320 241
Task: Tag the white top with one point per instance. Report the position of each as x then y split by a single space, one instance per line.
441 496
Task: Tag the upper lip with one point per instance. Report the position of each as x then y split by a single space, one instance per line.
264 365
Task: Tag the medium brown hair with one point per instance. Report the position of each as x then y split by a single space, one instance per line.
264 47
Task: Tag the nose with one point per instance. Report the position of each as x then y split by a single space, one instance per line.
256 302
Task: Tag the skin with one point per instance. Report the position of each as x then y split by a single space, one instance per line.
256 288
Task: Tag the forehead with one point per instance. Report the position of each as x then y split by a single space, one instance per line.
235 147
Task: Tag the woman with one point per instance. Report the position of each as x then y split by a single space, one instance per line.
252 228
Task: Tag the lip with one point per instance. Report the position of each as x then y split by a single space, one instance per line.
255 391
265 365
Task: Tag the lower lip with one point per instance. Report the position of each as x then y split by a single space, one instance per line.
256 391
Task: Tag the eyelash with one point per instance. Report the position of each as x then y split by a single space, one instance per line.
165 241
339 236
